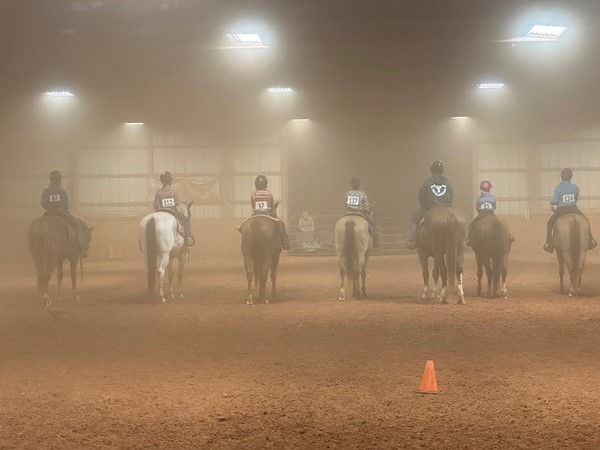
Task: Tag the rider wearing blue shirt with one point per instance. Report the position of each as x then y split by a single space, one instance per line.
564 201
358 202
435 191
56 201
485 205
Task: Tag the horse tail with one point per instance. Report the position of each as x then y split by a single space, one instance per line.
258 250
350 250
151 253
575 245
452 236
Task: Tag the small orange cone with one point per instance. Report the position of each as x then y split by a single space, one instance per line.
428 382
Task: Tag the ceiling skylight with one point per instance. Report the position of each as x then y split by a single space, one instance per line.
246 40
59 94
280 89
551 32
490 85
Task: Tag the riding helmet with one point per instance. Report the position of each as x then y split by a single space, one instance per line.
566 174
166 178
485 186
437 167
261 182
355 182
55 177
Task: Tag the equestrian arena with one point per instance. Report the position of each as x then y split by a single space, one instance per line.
118 370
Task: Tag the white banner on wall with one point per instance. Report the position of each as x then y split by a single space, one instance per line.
198 190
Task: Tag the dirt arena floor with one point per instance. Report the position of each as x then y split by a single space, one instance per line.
115 371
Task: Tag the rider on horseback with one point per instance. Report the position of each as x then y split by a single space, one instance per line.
564 201
485 205
55 201
357 202
435 191
262 203
166 199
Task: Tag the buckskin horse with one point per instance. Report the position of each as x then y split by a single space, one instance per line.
352 245
442 236
50 245
491 241
159 237
261 248
571 241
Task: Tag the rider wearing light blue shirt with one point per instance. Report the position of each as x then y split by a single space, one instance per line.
564 201
485 205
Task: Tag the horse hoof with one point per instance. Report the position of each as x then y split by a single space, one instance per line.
76 297
163 300
461 301
180 296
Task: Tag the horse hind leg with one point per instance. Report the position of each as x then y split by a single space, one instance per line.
171 277
342 291
162 267
461 292
249 277
59 279
363 277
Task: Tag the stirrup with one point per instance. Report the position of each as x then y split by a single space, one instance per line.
548 247
411 245
593 244
189 240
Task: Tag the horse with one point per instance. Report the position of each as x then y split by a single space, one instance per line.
261 248
442 236
491 241
353 243
571 240
159 237
50 245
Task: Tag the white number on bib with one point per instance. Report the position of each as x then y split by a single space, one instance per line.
568 198
54 198
352 200
167 202
486 205
262 206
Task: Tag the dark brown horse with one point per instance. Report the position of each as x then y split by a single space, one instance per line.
261 247
50 245
442 236
491 241
571 240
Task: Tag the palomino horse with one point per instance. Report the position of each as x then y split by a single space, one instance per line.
160 238
571 241
352 245
442 236
261 248
491 241
50 245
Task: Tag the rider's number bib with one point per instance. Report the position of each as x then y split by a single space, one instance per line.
486 205
568 198
54 198
352 200
167 202
261 206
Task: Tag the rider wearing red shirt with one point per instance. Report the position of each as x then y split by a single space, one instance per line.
262 203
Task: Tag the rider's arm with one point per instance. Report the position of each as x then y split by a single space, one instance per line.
44 201
450 193
156 202
366 203
64 200
554 201
424 193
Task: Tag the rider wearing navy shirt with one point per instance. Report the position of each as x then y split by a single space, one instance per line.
435 191
358 202
55 200
564 201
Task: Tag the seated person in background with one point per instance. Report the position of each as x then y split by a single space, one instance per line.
306 223
358 202
167 198
262 203
564 201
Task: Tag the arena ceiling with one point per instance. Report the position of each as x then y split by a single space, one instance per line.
382 60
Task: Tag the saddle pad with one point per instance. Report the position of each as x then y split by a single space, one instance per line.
274 219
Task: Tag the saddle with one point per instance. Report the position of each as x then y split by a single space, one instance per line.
71 232
180 227
274 219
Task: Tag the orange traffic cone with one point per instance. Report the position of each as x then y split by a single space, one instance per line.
428 382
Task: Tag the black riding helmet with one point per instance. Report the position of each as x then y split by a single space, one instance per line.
355 183
437 167
566 174
55 177
166 178
261 182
